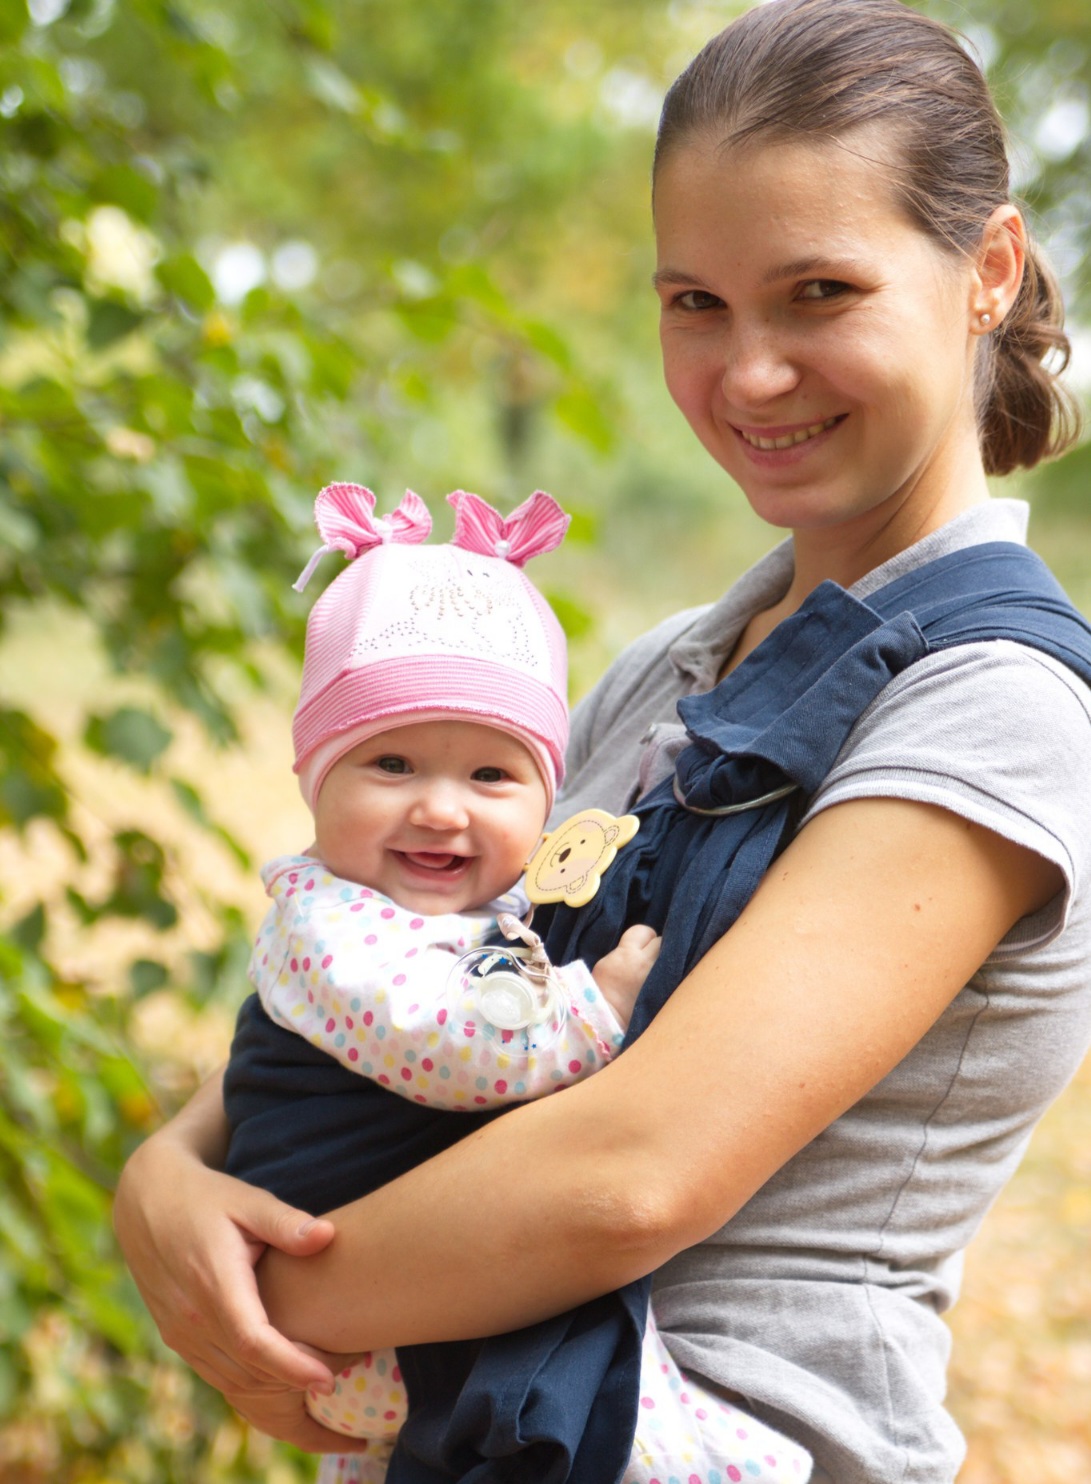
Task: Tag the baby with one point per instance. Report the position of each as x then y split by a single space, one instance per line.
430 738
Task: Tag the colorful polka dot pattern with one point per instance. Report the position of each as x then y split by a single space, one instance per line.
371 984
368 1467
368 1401
685 1433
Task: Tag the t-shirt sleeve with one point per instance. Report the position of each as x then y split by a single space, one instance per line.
995 732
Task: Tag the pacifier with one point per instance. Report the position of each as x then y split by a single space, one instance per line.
507 990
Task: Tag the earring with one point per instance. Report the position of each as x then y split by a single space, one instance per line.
986 320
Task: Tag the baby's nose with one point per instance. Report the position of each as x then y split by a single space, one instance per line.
441 806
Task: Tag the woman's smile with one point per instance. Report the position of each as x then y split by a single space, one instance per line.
769 440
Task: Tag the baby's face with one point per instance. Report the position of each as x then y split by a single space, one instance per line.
438 816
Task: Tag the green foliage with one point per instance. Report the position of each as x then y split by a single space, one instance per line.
245 250
164 430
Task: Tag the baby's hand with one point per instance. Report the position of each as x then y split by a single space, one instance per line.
624 969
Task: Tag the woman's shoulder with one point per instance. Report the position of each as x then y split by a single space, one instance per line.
995 731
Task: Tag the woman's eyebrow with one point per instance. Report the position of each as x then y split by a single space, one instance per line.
814 264
797 268
673 275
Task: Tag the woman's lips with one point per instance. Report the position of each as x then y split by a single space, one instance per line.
770 440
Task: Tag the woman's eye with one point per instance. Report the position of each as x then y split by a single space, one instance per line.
697 299
392 764
823 288
489 775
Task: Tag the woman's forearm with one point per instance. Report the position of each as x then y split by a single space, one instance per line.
525 1218
201 1125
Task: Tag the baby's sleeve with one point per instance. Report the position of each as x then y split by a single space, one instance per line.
427 1040
377 988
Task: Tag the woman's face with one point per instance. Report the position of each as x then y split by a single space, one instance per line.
818 343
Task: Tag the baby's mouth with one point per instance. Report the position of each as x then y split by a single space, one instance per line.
441 862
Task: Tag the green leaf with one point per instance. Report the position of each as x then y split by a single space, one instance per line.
194 805
576 620
134 736
583 527
18 531
329 85
29 931
146 975
182 276
138 881
580 411
110 320
13 20
133 190
29 785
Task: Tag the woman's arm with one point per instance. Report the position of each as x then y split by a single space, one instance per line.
864 930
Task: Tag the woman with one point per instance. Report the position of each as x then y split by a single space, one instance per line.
853 323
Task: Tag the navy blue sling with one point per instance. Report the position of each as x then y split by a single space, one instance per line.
557 1401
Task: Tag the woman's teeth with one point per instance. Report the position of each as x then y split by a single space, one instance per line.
788 439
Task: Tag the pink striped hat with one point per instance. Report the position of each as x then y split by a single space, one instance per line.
412 633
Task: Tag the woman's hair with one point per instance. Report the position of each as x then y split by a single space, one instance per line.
819 69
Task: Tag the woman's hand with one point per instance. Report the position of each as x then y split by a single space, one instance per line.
192 1237
280 1412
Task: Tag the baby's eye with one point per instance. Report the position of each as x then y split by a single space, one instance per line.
489 775
823 288
392 764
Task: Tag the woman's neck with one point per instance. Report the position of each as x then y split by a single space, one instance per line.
846 552
850 550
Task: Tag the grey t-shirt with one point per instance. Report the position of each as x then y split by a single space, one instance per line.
819 1300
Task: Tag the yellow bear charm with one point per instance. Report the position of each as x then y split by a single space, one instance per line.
568 865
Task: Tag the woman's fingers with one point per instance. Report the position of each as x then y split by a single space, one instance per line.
334 1362
283 1414
271 1223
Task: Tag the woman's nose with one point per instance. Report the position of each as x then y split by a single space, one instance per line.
756 366
439 805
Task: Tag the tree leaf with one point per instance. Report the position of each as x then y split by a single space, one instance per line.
110 320
133 735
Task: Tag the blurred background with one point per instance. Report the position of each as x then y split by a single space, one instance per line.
250 249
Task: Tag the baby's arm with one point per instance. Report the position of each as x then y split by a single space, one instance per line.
370 984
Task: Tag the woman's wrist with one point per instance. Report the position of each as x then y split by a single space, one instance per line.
200 1128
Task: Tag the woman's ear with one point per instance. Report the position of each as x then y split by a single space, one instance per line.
998 268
